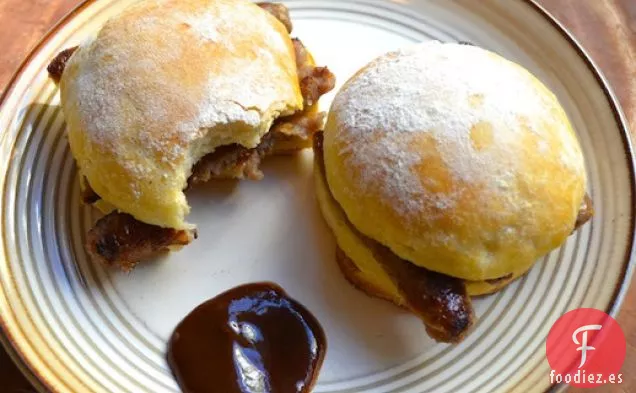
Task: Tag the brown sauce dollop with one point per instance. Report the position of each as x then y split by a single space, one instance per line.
252 338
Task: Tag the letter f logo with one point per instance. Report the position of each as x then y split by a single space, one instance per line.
583 344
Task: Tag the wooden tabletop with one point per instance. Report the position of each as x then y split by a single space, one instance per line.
606 28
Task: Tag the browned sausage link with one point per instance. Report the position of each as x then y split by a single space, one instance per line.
226 162
440 300
280 12
120 239
586 212
232 162
314 81
56 67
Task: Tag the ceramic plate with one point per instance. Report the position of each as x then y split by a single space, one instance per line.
75 326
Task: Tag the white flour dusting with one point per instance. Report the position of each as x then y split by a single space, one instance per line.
447 91
205 26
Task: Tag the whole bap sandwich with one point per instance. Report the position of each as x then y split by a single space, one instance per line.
171 93
446 171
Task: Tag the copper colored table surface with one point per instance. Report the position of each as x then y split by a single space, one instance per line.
606 28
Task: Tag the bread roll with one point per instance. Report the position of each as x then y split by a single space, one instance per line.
458 160
166 82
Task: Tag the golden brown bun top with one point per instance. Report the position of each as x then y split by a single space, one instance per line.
458 160
164 83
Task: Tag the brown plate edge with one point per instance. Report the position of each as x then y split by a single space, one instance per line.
630 258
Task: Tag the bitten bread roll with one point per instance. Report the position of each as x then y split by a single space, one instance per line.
143 106
454 160
171 93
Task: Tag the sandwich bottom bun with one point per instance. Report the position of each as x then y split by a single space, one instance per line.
456 159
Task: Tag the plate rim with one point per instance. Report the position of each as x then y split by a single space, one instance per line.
629 261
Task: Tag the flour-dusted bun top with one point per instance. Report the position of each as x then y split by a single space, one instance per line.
456 159
164 83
